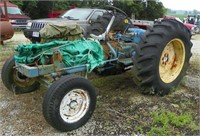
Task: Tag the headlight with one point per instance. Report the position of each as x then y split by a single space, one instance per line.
28 26
12 21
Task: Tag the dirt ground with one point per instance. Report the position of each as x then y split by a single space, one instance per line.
121 109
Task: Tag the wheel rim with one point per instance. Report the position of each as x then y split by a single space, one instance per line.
74 105
21 80
172 60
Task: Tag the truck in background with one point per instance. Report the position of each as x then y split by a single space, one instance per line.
193 28
82 16
16 17
6 29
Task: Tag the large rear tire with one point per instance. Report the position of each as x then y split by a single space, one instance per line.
99 26
15 81
162 57
69 103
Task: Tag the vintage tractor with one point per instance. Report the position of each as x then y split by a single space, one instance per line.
158 58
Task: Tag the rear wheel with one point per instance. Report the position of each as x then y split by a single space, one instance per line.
162 57
99 26
69 103
15 81
172 60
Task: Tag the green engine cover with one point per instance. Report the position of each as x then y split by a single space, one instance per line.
74 53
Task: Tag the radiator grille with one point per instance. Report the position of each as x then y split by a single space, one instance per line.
36 25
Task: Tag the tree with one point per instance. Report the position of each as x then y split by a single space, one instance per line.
142 9
195 12
17 2
155 10
30 8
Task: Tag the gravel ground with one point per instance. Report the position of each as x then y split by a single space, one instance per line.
121 109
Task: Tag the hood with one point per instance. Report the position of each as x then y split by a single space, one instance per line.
190 26
49 20
17 16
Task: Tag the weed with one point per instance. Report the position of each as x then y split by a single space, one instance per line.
163 123
139 129
159 131
194 127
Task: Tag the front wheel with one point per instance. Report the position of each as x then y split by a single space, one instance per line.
162 57
69 103
15 81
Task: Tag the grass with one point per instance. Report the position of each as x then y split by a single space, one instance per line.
122 109
164 123
6 52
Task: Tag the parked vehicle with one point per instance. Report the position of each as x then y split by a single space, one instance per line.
55 14
194 19
82 16
193 28
16 17
142 23
6 30
159 61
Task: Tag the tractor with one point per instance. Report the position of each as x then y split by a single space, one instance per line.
158 58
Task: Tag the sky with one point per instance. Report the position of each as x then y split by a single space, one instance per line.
182 4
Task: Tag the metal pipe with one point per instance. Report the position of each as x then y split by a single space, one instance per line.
112 50
110 24
5 10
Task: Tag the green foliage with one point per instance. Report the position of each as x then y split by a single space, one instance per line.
39 9
17 2
163 123
180 121
158 131
60 5
141 10
194 127
139 129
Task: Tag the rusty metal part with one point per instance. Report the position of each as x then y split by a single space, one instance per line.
172 60
21 80
6 29
57 56
6 11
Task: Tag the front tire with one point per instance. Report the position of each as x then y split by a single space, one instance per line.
69 103
15 81
162 57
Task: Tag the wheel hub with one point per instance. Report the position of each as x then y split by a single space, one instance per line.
74 105
165 59
172 60
22 80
